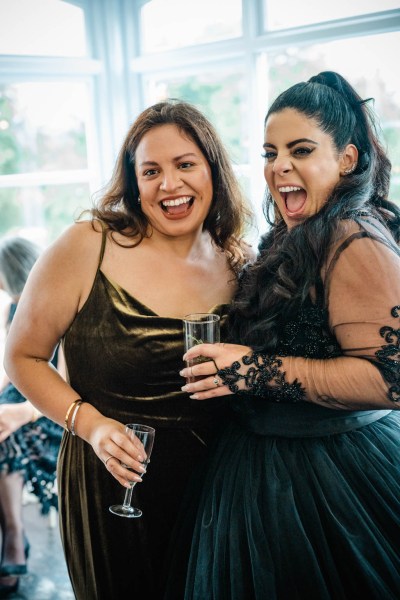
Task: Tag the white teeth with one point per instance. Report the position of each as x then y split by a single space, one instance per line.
289 188
177 202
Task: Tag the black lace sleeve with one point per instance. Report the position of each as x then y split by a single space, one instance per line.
263 378
388 357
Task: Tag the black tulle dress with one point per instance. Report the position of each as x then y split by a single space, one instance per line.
302 501
32 450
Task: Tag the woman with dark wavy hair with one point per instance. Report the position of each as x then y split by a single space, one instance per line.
163 241
302 496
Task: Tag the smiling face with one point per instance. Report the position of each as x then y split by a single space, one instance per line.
174 180
302 165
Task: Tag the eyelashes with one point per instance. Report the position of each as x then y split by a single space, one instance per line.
298 152
184 166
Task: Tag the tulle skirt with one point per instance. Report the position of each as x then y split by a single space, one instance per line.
286 518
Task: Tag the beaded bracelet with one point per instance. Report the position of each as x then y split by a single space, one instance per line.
71 406
77 407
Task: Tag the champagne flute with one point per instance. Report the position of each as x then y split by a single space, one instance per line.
146 435
200 328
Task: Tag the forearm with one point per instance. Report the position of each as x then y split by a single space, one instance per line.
49 393
345 382
15 415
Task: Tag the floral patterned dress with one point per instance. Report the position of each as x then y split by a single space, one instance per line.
32 450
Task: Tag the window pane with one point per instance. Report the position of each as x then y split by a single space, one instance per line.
284 14
188 23
42 127
221 96
370 72
41 213
41 27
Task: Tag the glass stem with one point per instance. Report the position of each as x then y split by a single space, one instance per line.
128 497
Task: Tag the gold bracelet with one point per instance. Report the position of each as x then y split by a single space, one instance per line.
71 406
77 407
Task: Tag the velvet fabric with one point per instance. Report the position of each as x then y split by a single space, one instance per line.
125 360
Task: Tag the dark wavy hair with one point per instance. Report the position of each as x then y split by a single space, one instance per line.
229 215
290 260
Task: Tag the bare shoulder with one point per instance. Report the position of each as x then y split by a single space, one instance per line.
77 247
81 236
68 266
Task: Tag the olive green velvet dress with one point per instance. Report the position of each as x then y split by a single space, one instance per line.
125 360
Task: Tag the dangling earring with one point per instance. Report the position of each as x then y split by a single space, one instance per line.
138 200
350 169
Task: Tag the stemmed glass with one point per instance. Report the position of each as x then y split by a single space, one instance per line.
146 435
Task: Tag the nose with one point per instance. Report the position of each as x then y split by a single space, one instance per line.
282 164
170 181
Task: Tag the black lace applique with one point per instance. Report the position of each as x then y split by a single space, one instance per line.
264 379
305 334
308 335
389 357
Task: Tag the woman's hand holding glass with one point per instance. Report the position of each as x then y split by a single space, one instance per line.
220 356
145 436
118 451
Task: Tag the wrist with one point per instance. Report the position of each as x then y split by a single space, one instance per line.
87 420
35 414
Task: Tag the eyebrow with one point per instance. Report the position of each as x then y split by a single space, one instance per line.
291 144
150 163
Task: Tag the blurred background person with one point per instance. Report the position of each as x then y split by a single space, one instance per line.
29 442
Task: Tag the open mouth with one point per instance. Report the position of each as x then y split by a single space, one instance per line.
177 206
294 198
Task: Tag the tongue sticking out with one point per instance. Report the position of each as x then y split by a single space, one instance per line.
295 200
178 210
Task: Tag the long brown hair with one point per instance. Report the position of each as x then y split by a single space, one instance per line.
229 214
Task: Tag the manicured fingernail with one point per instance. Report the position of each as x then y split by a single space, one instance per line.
184 388
184 356
194 396
182 373
140 458
142 469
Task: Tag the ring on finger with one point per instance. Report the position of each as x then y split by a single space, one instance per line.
216 381
107 459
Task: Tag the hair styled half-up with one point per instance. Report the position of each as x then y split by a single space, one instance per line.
291 259
119 208
341 113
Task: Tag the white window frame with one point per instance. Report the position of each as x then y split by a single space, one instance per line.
115 70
